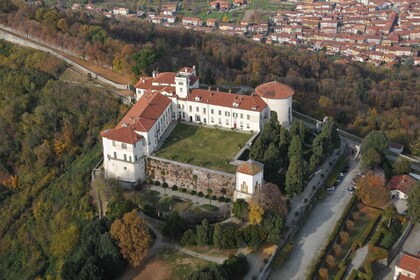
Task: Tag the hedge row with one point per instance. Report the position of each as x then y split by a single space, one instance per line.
331 238
358 243
342 268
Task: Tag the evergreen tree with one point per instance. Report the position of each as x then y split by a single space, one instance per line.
294 176
217 236
295 148
271 162
203 233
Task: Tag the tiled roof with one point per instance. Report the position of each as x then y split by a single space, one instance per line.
143 115
403 183
122 134
410 263
274 90
165 78
249 167
230 100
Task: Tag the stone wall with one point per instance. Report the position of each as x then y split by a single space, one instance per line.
182 175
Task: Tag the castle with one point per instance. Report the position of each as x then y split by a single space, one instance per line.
169 96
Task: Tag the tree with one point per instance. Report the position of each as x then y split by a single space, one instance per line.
175 226
377 140
371 190
270 197
295 148
143 59
255 214
240 209
217 236
203 233
165 186
272 224
189 238
133 237
401 166
209 192
118 207
414 203
371 158
294 176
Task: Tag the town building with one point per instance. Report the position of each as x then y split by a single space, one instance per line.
249 179
169 96
401 185
407 267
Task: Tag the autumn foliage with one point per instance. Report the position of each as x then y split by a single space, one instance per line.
269 197
371 190
133 237
255 214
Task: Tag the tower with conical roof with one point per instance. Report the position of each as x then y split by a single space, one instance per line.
278 97
249 178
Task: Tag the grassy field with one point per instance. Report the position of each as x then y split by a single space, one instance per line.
207 147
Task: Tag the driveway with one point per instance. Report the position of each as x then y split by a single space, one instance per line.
313 234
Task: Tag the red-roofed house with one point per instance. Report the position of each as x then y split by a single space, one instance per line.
407 267
401 185
249 178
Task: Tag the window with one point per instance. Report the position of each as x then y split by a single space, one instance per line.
247 125
180 89
124 146
235 115
204 110
212 119
131 159
115 154
190 108
125 157
242 116
227 114
227 121
179 106
241 125
244 187
180 83
220 112
134 145
197 109
248 116
220 121
113 143
135 157
183 107
212 111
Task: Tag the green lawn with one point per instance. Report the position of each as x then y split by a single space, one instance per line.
207 147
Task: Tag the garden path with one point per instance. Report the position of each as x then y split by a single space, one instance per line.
359 258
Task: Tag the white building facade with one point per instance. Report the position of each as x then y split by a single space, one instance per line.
177 96
249 179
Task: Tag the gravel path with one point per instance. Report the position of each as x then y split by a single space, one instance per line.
313 234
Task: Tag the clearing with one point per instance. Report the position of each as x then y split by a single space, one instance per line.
207 147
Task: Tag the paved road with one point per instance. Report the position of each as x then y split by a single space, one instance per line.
311 238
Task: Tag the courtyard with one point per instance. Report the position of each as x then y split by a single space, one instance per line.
207 147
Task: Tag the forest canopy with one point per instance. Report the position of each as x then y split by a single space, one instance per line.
48 147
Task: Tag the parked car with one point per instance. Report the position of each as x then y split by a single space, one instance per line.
351 189
332 188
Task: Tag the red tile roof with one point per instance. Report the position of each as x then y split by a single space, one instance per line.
141 117
403 183
122 134
274 90
410 263
249 167
165 78
223 99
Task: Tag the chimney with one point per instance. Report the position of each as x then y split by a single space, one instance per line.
230 91
217 89
194 67
209 88
154 73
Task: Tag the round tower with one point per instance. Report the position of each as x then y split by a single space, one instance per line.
278 97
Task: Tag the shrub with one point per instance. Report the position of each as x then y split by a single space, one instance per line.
221 199
184 190
355 215
214 197
330 260
149 180
227 200
157 183
193 192
165 185
200 194
323 273
207 196
344 237
189 238
337 249
174 187
349 225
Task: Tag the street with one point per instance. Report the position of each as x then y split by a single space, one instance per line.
313 234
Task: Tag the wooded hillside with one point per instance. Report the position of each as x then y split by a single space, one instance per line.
48 147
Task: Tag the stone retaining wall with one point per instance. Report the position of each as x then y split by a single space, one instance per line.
181 174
